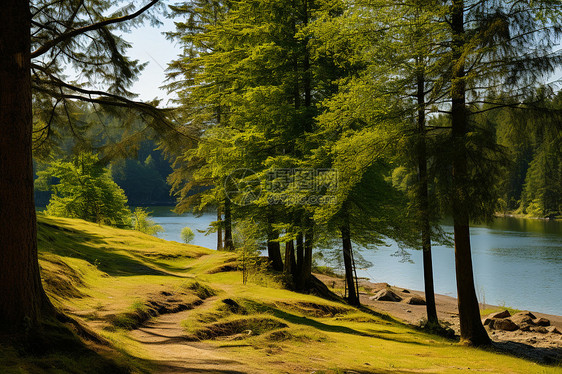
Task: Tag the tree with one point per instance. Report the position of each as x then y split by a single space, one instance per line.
492 42
83 188
187 235
72 32
142 223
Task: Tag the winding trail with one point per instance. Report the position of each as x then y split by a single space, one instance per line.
164 338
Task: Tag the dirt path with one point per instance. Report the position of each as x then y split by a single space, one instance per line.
164 338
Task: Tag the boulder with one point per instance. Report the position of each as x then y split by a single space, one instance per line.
405 291
541 322
415 300
487 321
386 295
523 317
553 330
503 324
502 314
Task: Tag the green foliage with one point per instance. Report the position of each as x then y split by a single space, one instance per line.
83 188
142 222
187 235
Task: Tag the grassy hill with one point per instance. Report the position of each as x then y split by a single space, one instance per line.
113 281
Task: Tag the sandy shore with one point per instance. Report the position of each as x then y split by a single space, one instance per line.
540 346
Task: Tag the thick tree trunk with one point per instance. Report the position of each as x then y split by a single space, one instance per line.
22 299
219 229
423 201
472 331
274 251
228 243
290 263
352 294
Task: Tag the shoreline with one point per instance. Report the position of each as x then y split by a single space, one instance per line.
527 343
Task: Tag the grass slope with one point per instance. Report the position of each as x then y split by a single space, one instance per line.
114 280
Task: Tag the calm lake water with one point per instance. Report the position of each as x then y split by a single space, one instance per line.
517 262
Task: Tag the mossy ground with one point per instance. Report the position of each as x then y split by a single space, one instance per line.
112 280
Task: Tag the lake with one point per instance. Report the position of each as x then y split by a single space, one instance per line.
517 262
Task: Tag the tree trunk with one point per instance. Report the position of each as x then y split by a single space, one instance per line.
274 251
290 263
423 201
22 299
352 295
297 275
308 245
219 229
472 331
228 243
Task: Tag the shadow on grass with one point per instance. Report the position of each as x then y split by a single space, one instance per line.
544 355
67 242
55 348
298 320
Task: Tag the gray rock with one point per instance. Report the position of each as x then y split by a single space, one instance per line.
415 300
386 295
502 314
504 324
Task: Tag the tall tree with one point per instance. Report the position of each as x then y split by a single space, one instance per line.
74 32
492 43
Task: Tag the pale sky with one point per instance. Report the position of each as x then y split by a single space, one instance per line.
149 45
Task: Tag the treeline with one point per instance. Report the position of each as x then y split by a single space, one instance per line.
329 123
135 162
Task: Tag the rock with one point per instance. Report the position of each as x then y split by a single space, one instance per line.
386 295
539 329
553 330
405 291
504 324
523 317
502 314
487 321
415 300
541 322
525 326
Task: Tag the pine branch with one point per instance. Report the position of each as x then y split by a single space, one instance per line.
96 26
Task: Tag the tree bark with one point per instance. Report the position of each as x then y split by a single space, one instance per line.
219 229
423 201
274 251
472 331
290 263
352 295
23 302
297 274
228 243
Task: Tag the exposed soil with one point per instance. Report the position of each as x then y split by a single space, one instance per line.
166 340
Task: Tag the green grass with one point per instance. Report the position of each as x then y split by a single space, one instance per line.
107 278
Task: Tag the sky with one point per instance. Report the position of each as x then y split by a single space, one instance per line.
150 45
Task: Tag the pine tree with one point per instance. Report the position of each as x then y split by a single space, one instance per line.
33 51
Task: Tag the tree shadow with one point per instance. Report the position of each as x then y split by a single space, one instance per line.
64 241
301 320
543 355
